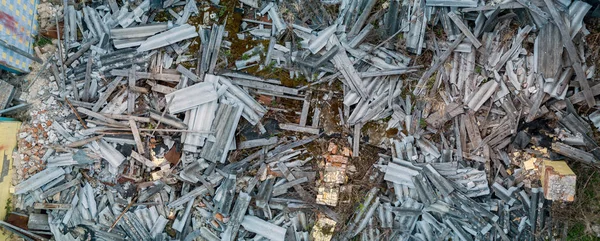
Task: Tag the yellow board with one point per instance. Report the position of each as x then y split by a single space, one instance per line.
558 181
8 141
560 167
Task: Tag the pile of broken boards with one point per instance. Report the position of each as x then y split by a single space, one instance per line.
151 159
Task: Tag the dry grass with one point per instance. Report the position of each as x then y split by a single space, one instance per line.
581 215
425 59
593 43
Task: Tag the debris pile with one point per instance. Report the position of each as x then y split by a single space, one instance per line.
169 126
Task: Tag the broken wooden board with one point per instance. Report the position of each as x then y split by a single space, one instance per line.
6 95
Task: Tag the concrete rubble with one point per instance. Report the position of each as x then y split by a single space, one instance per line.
306 120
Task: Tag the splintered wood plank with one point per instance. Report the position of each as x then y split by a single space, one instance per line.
500 167
574 153
550 50
496 132
6 95
88 79
316 116
84 141
136 156
131 94
161 88
111 88
138 89
298 128
356 140
472 130
500 135
463 133
304 115
52 206
576 98
127 117
488 162
537 102
472 157
136 136
171 78
96 115
290 177
459 142
57 77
